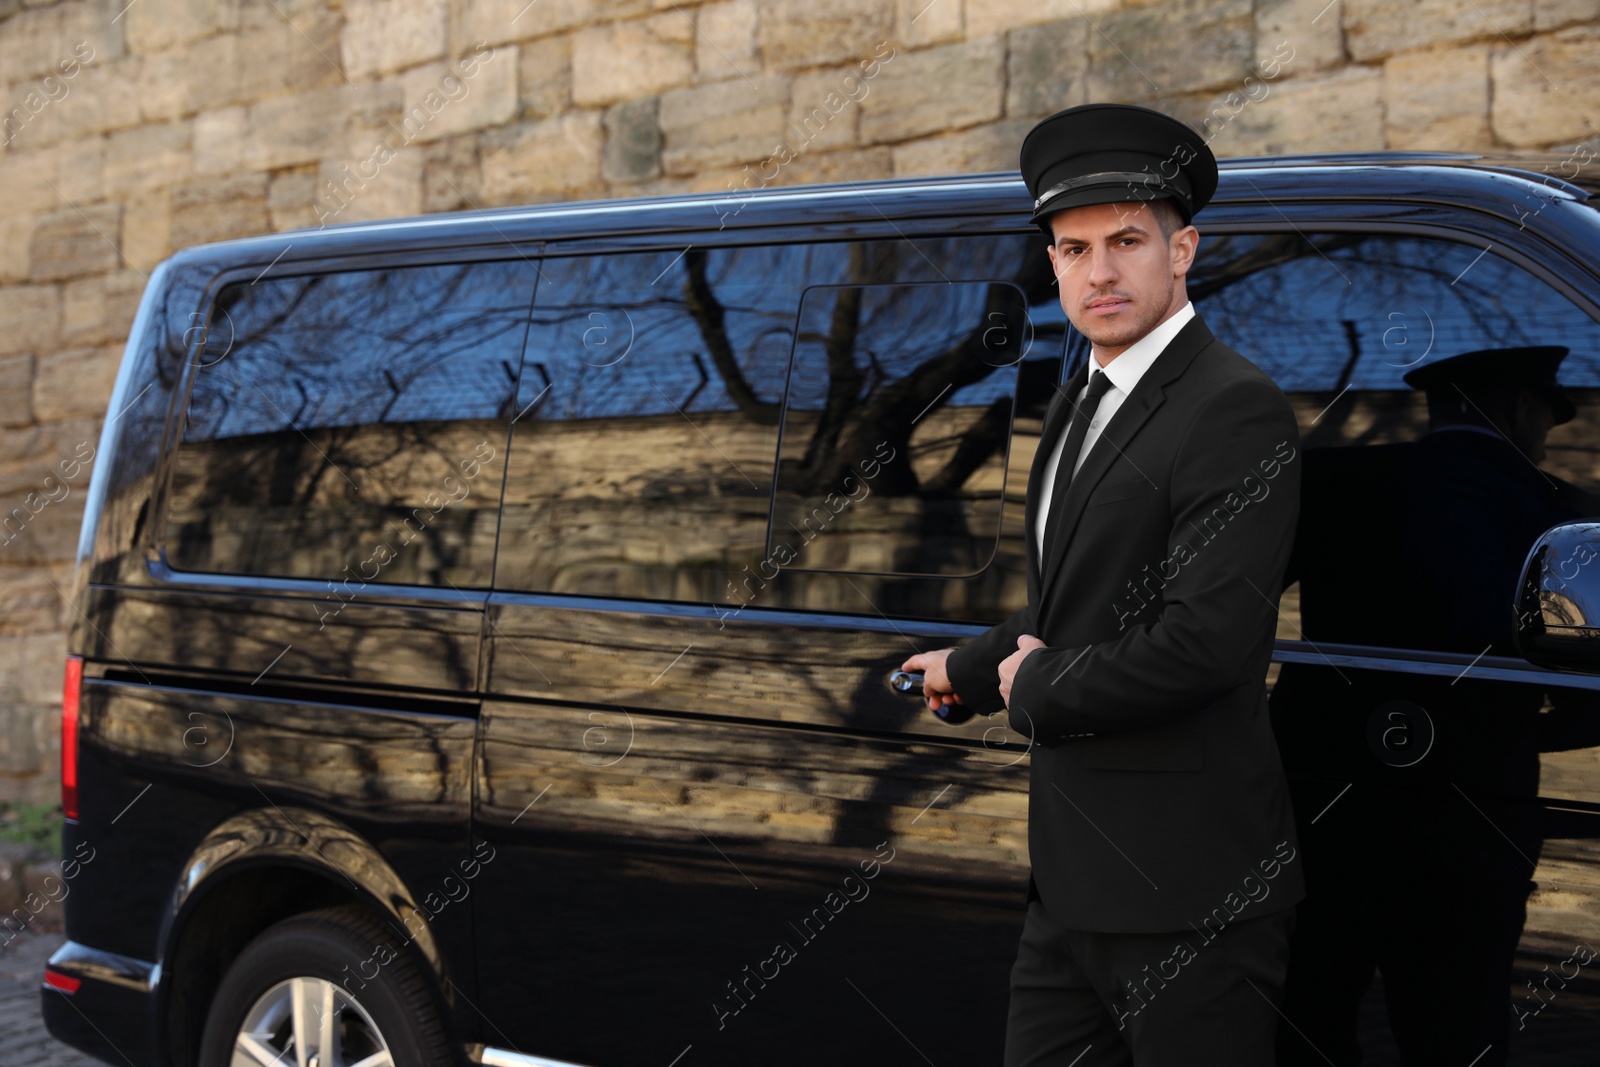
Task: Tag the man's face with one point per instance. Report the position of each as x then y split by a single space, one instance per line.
1118 276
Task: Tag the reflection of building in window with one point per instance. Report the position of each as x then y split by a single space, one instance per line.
343 405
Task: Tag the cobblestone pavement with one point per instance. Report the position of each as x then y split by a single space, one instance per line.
23 1040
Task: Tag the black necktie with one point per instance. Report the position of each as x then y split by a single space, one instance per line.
1099 382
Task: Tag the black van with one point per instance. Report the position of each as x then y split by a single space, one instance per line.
485 625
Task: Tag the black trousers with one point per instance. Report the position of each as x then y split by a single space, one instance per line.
1082 998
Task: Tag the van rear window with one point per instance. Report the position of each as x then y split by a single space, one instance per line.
352 426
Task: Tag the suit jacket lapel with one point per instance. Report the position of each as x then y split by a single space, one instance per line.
1148 395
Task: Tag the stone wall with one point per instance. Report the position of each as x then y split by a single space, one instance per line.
133 129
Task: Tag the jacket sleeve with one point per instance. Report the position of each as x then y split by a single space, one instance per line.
1221 605
974 667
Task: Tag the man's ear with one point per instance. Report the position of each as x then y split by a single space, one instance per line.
1184 244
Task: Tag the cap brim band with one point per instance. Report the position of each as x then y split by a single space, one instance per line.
1111 187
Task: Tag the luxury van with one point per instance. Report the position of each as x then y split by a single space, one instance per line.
486 627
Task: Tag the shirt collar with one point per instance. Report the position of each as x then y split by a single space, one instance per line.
1126 370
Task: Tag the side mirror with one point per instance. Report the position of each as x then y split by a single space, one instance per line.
1558 601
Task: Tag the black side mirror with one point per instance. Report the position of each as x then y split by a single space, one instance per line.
1558 601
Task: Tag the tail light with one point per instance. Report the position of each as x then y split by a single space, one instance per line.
69 736
66 983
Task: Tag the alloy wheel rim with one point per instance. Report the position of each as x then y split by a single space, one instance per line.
309 1022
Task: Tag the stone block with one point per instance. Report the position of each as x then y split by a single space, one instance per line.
147 230
35 42
986 17
382 186
626 60
810 33
725 40
1342 112
450 175
16 398
181 81
1374 29
442 100
154 27
824 110
1047 68
544 77
497 21
1558 14
148 157
1544 91
632 151
219 209
543 160
100 308
28 602
31 664
1437 100
1136 55
80 170
29 179
301 128
919 23
16 234
75 241
219 140
943 88
859 165
75 382
979 150
30 771
384 35
32 314
290 198
722 123
103 97
1304 36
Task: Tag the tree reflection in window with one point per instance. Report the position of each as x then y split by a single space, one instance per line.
354 428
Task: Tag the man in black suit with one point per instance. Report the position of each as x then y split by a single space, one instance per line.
1160 515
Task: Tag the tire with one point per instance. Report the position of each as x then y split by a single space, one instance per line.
312 965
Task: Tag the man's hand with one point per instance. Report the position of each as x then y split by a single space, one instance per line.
936 687
1010 665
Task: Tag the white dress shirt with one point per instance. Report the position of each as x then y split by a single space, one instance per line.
1124 371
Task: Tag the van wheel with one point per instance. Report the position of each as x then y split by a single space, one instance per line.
297 995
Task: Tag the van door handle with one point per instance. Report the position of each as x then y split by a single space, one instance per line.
905 681
911 682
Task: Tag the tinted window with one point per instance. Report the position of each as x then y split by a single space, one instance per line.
351 426
895 427
648 419
1430 523
646 456
1346 315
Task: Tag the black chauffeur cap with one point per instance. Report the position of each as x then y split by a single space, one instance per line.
1115 153
1473 373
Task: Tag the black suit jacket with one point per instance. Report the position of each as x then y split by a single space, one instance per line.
1157 798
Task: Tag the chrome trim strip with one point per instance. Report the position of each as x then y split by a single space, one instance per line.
499 1057
81 961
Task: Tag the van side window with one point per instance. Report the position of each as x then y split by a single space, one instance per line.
645 457
1414 522
647 421
351 427
895 428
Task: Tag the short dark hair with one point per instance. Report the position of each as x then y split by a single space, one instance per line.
1168 217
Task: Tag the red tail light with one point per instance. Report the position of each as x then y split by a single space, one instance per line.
69 736
64 982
